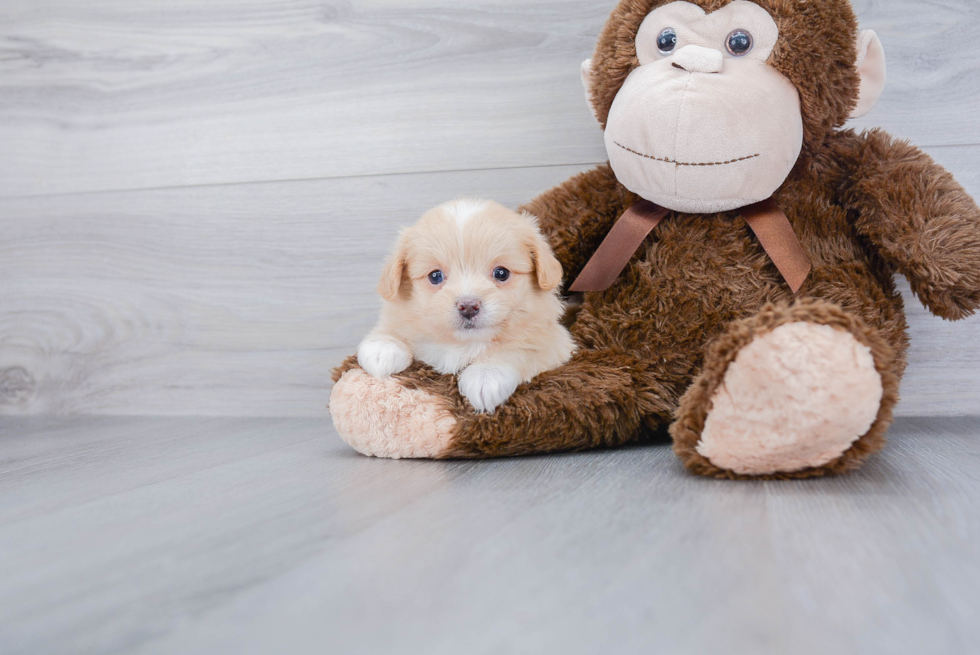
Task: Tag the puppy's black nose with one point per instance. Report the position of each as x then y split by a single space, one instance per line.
468 308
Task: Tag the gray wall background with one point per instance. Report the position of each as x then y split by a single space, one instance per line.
195 196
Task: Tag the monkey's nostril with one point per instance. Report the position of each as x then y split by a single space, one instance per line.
698 59
468 309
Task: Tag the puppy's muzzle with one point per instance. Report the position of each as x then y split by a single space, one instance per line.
468 308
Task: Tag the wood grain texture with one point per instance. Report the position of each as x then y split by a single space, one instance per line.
269 536
238 300
211 301
126 94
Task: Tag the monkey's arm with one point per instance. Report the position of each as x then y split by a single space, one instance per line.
920 220
578 214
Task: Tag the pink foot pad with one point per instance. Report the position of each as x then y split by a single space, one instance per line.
795 398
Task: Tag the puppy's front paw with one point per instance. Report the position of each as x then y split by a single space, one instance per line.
383 357
488 387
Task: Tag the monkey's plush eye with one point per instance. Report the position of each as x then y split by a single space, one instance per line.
739 43
437 277
667 41
501 274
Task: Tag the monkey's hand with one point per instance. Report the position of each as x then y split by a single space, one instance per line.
921 221
409 415
597 399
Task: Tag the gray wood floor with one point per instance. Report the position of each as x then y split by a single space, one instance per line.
182 535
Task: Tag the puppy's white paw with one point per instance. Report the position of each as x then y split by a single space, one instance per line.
383 357
488 387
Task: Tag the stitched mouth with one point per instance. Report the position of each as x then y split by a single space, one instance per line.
681 163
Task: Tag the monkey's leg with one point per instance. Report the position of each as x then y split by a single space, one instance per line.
599 398
792 392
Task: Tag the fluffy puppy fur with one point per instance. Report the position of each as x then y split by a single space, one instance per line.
471 289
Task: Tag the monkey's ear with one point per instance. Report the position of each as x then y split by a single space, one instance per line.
546 267
587 83
871 67
391 278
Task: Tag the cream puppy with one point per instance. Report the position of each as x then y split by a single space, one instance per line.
471 289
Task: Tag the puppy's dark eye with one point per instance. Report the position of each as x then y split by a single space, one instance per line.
739 43
501 274
667 41
437 277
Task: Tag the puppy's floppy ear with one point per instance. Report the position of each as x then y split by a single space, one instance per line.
391 278
546 267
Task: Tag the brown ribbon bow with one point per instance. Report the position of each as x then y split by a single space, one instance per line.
767 220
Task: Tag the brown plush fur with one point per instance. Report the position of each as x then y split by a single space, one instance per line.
864 206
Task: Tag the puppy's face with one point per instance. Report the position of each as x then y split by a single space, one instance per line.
468 269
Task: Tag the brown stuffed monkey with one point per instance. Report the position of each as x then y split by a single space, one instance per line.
728 116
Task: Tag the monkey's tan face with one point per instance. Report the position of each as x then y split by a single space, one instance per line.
704 124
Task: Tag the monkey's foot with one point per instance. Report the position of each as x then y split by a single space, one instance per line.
379 417
798 400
